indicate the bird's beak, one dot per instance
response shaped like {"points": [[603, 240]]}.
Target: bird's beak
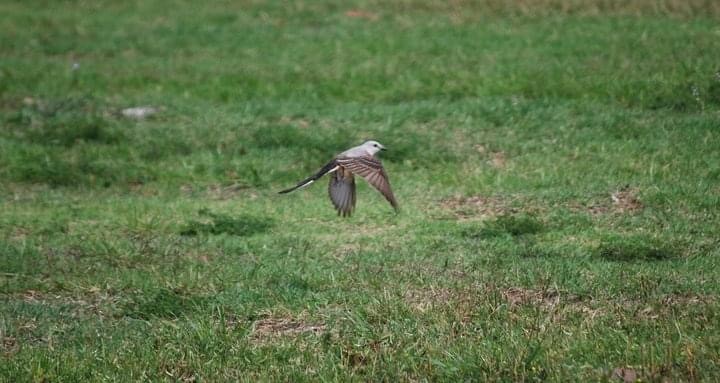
{"points": [[383, 148]]}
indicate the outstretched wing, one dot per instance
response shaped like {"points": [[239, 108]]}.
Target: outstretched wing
{"points": [[371, 169], [342, 192], [330, 166]]}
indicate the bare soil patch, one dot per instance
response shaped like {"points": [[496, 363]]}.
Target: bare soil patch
{"points": [[622, 201]]}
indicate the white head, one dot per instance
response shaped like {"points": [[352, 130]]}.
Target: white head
{"points": [[372, 147]]}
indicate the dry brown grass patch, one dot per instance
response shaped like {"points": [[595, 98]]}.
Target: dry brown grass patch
{"points": [[516, 296], [19, 233], [8, 345], [226, 192], [476, 206], [625, 374], [652, 309], [361, 14], [91, 300], [498, 160], [274, 327], [625, 200], [621, 201]]}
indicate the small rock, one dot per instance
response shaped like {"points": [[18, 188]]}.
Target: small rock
{"points": [[139, 112]]}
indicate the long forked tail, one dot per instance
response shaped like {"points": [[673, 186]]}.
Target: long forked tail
{"points": [[329, 167]]}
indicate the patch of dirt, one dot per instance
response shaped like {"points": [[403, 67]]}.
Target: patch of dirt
{"points": [[225, 192], [476, 206], [621, 201], [498, 160], [625, 200], [19, 233], [593, 208], [31, 296], [276, 327], [8, 345]]}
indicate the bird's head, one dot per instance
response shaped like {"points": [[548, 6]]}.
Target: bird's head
{"points": [[372, 147]]}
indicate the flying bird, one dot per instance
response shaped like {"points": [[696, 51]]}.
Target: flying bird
{"points": [[361, 161]]}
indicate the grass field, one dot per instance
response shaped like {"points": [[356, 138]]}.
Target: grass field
{"points": [[557, 166]]}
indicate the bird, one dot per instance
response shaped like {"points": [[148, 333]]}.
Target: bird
{"points": [[359, 160]]}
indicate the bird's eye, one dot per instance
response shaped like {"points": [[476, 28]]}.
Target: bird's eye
{"points": [[375, 145]]}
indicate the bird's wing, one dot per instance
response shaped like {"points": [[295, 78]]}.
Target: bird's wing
{"points": [[371, 169], [329, 167], [342, 192]]}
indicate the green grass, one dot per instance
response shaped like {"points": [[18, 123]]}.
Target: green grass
{"points": [[556, 165]]}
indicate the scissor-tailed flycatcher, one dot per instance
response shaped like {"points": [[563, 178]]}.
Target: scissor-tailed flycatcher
{"points": [[359, 160]]}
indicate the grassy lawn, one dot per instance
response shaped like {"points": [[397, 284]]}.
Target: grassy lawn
{"points": [[557, 168]]}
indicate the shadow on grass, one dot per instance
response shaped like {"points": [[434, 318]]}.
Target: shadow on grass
{"points": [[634, 248], [217, 223], [515, 225], [688, 96]]}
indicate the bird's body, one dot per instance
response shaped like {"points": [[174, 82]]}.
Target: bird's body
{"points": [[361, 161]]}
